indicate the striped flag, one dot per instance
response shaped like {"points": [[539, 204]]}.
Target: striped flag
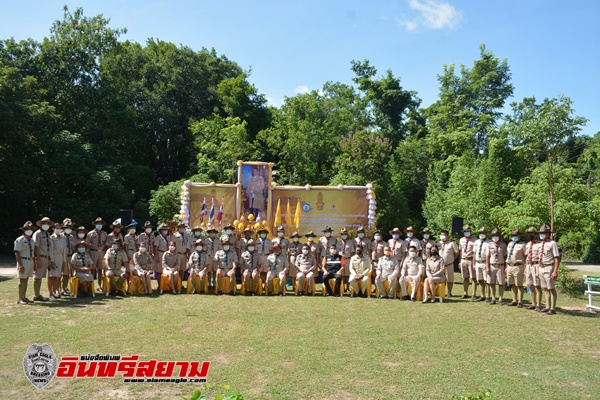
{"points": [[203, 212], [211, 214], [220, 213]]}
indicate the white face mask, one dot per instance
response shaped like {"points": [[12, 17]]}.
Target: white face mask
{"points": [[280, 234], [81, 235], [395, 236], [81, 249], [132, 231], [263, 235], [68, 231], [542, 236], [58, 231], [228, 231], [344, 237], [495, 238], [45, 227], [327, 234], [99, 226], [304, 251], [251, 248], [409, 234], [443, 237], [295, 239], [148, 230], [115, 246], [226, 247], [426, 236], [481, 236], [360, 235], [310, 238], [142, 249], [29, 232], [514, 238], [467, 234], [412, 254], [199, 248], [333, 251], [197, 233], [377, 237]]}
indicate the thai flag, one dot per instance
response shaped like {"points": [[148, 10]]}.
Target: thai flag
{"points": [[220, 213], [204, 211], [211, 218]]}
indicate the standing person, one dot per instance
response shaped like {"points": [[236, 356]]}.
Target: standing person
{"points": [[377, 247], [255, 193], [548, 268], [495, 265], [143, 263], [305, 264], [161, 245], [96, 240], [412, 270], [346, 249], [360, 266], [436, 274], [68, 226], [25, 253], [83, 266], [533, 278], [249, 264], [242, 243], [228, 231], [411, 240], [116, 261], [332, 265], [130, 242], [283, 242], [387, 269], [314, 249], [42, 246], [211, 245], [170, 266], [467, 268], [196, 233], [147, 237], [480, 251], [114, 234], [278, 265], [264, 247], [365, 242], [427, 243], [397, 245], [227, 262], [184, 244], [326, 241], [516, 267], [198, 264], [449, 253], [58, 260], [294, 249]]}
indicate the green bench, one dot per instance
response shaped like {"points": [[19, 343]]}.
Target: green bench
{"points": [[590, 281]]}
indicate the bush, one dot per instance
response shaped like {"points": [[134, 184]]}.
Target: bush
{"points": [[567, 284]]}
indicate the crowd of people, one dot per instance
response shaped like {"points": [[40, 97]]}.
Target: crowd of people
{"points": [[406, 268]]}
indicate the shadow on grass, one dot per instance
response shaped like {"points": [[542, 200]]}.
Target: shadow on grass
{"points": [[579, 313], [6, 278]]}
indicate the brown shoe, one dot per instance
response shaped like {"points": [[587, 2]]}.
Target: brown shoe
{"points": [[26, 300], [519, 305], [545, 310], [512, 304], [551, 312], [538, 309], [464, 296], [531, 307]]}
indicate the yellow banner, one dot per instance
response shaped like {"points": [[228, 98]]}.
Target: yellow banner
{"points": [[218, 192], [323, 206]]}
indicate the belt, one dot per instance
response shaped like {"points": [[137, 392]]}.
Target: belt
{"points": [[448, 264], [182, 253], [515, 264], [496, 264], [27, 258], [98, 250], [547, 265], [466, 260], [48, 257], [480, 261]]}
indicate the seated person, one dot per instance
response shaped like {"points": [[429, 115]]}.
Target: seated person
{"points": [[226, 260], [360, 266], [249, 264], [387, 269], [170, 266], [83, 265], [332, 265], [143, 264], [116, 258], [198, 264], [436, 274], [305, 265], [278, 266], [412, 271]]}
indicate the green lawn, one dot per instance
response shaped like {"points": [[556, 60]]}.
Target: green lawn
{"points": [[311, 347]]}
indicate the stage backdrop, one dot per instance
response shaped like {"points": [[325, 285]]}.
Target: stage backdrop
{"points": [[193, 197], [337, 207]]}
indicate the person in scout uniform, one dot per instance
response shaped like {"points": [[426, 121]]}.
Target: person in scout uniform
{"points": [[264, 247], [306, 265], [161, 245], [42, 246], [281, 240], [360, 266], [314, 248], [387, 269], [548, 268], [184, 244], [58, 259], [116, 263], [365, 242], [345, 247], [147, 237], [242, 243], [229, 232], [196, 233], [436, 274], [278, 266], [130, 244], [96, 240], [294, 249], [515, 261], [412, 271], [84, 267], [227, 262], [467, 268], [532, 251], [143, 264], [411, 240], [427, 243], [377, 247], [480, 251], [170, 265], [397, 245], [326, 241], [332, 266], [70, 240], [449, 253], [249, 264], [198, 264], [25, 254], [211, 245], [115, 233], [495, 265]]}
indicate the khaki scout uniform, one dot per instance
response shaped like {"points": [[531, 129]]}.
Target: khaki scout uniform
{"points": [[294, 249], [143, 263], [42, 242], [241, 245], [183, 245], [264, 247], [497, 259], [324, 244], [345, 248], [83, 260], [212, 245], [359, 266], [377, 247], [387, 269], [116, 259], [532, 251], [283, 242], [26, 247], [278, 266], [515, 262], [412, 270], [448, 252], [199, 260], [162, 244], [225, 262], [467, 269], [305, 264], [426, 246], [365, 243], [130, 241], [413, 241], [313, 248], [170, 262], [58, 255], [437, 269], [249, 261], [97, 242], [398, 249], [480, 250], [548, 252], [147, 238], [70, 246]]}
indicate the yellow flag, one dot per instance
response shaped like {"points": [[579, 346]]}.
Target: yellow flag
{"points": [[288, 217], [277, 220], [297, 215]]}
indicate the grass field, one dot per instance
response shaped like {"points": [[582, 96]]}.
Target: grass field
{"points": [[311, 347]]}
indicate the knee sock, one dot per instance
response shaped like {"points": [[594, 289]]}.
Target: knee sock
{"points": [[548, 301], [520, 291], [475, 284], [466, 286], [533, 292], [553, 299], [492, 291], [37, 285], [21, 290], [514, 293], [450, 284], [500, 292], [539, 296]]}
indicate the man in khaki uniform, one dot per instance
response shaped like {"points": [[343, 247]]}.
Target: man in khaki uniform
{"points": [[397, 245], [345, 247], [42, 246], [229, 232], [377, 246], [58, 259], [184, 244], [305, 264], [227, 262], [161, 245], [449, 252], [96, 240], [360, 266], [281, 240], [278, 266], [495, 265], [130, 242], [198, 264], [532, 251], [116, 261], [516, 267], [143, 263], [548, 268], [314, 249], [411, 240], [412, 270], [25, 253], [212, 245], [427, 243], [249, 264], [264, 247], [242, 243], [467, 268], [147, 237], [365, 242], [326, 241], [69, 227], [115, 233], [480, 249], [387, 269], [294, 249]]}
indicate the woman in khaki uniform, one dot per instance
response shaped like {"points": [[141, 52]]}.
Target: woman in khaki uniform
{"points": [[58, 258], [170, 266], [198, 264], [143, 267], [249, 264], [68, 226], [436, 274], [83, 265]]}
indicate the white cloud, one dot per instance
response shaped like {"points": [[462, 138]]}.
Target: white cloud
{"points": [[274, 102], [302, 89], [432, 15]]}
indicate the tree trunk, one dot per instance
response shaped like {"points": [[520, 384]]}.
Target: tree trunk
{"points": [[551, 196]]}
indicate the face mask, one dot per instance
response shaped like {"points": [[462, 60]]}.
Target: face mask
{"points": [[199, 248], [412, 254], [333, 252], [495, 238], [310, 238], [251, 248], [514, 238], [360, 235], [359, 252], [197, 233], [164, 233], [115, 246], [425, 236], [81, 235], [58, 231], [81, 249], [481, 236], [247, 236], [305, 251], [45, 227], [280, 234], [467, 234], [172, 248], [226, 248], [377, 237], [180, 230], [263, 235], [409, 234], [29, 232], [228, 231], [295, 239], [99, 226], [344, 237], [434, 253], [395, 236], [142, 249], [531, 237], [542, 236], [443, 237], [148, 230], [327, 234], [132, 231], [68, 231]]}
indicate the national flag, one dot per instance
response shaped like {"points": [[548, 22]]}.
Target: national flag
{"points": [[211, 215], [220, 213], [297, 215], [288, 217], [203, 212]]}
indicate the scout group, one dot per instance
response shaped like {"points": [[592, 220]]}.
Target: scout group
{"points": [[61, 251]]}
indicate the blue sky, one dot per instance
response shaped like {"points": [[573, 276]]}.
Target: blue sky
{"points": [[294, 46]]}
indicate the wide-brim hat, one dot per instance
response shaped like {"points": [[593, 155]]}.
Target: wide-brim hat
{"points": [[277, 246], [163, 226], [426, 231], [544, 229], [327, 229], [116, 224], [131, 225], [377, 232], [496, 232], [482, 230], [295, 234], [118, 241], [148, 224], [344, 231], [467, 228], [532, 230], [251, 242], [82, 243], [396, 230], [410, 229], [360, 229], [263, 230], [515, 232], [311, 233], [45, 220], [199, 241], [248, 230], [67, 223], [181, 225], [81, 229], [280, 228], [225, 240], [28, 225], [229, 226], [197, 228], [211, 229], [99, 221]]}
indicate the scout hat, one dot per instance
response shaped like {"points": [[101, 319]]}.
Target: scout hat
{"points": [[426, 231], [532, 230], [28, 225], [118, 241], [344, 231], [45, 220], [496, 232], [225, 240], [263, 230], [515, 232], [67, 223], [81, 229], [277, 246], [248, 230], [116, 225], [360, 229], [410, 229], [163, 226], [98, 221], [230, 226], [147, 224], [82, 243], [396, 230], [251, 242], [295, 234], [327, 229], [197, 228], [211, 229], [482, 230], [280, 228], [377, 232], [544, 229], [181, 225], [467, 228], [199, 241], [311, 233]]}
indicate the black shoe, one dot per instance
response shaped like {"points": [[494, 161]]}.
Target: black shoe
{"points": [[40, 298], [232, 293], [120, 293], [412, 299], [219, 293], [338, 295]]}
